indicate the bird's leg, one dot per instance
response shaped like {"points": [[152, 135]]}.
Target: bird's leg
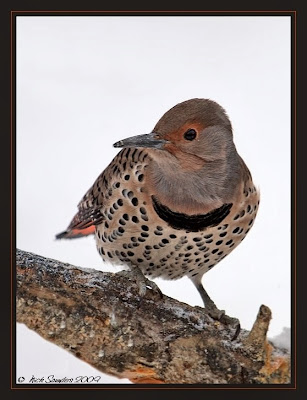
{"points": [[142, 282], [215, 313], [210, 306]]}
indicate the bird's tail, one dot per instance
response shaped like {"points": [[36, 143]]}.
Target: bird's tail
{"points": [[76, 233]]}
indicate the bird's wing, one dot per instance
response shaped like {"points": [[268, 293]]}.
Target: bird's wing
{"points": [[90, 207]]}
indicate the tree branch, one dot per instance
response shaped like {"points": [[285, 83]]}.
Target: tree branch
{"points": [[100, 318]]}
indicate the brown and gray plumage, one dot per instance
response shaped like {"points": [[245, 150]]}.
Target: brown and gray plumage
{"points": [[174, 202]]}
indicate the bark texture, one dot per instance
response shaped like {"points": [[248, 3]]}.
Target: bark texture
{"points": [[100, 318]]}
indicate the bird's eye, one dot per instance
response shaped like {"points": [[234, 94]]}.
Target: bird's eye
{"points": [[190, 134]]}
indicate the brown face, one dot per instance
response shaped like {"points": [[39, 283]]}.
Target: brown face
{"points": [[181, 144], [195, 132]]}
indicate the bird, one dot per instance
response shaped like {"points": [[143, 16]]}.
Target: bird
{"points": [[173, 202]]}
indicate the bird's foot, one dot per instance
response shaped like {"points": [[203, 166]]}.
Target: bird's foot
{"points": [[233, 323], [220, 315], [142, 282]]}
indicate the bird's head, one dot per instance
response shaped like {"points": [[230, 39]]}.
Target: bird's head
{"points": [[194, 132]]}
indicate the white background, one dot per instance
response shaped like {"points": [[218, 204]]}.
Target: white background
{"points": [[84, 83]]}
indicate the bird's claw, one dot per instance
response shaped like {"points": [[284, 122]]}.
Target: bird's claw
{"points": [[233, 323], [142, 282], [220, 315]]}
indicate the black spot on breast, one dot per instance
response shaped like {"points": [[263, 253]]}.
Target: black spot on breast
{"points": [[120, 202], [127, 177], [223, 234], [236, 230], [128, 150], [193, 223], [134, 201], [135, 219], [219, 242], [140, 177], [229, 242], [173, 236], [145, 228], [165, 241], [133, 155]]}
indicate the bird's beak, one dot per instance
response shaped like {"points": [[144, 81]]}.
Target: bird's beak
{"points": [[151, 140]]}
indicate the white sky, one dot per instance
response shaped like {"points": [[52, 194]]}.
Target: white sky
{"points": [[84, 83]]}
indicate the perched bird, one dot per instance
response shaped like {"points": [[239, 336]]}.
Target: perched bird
{"points": [[173, 202]]}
